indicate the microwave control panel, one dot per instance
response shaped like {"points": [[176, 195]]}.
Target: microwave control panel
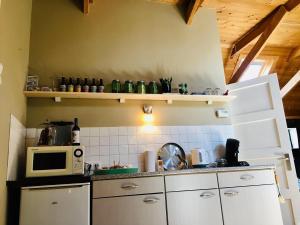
{"points": [[78, 160]]}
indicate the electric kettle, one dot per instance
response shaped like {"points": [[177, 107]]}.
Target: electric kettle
{"points": [[200, 158]]}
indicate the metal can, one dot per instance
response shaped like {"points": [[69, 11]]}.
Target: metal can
{"points": [[141, 87], [128, 86], [153, 89], [116, 86]]}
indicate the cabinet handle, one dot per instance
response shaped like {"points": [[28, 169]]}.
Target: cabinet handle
{"points": [[231, 193], [207, 194], [129, 186], [247, 177], [151, 200]]}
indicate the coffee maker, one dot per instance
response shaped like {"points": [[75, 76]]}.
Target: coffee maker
{"points": [[232, 153]]}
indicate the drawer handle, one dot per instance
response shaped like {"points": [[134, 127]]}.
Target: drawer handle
{"points": [[231, 193], [151, 200], [129, 186], [54, 203], [207, 195], [247, 177]]}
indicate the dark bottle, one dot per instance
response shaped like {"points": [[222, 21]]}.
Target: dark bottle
{"points": [[63, 86], [86, 87], [101, 86], [70, 85], [78, 85], [76, 133], [93, 87]]}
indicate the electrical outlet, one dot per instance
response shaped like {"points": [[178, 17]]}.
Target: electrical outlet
{"points": [[1, 70], [222, 113]]}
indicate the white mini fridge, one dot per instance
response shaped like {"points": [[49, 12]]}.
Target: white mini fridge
{"points": [[67, 204]]}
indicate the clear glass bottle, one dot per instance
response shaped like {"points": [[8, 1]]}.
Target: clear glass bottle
{"points": [[93, 87], [63, 85], [101, 86], [86, 87], [70, 85], [78, 85]]}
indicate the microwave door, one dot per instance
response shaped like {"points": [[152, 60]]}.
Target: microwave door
{"points": [[48, 163]]}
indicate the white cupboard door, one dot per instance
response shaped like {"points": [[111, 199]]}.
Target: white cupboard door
{"points": [[253, 205], [59, 206], [130, 210], [259, 123], [194, 208]]}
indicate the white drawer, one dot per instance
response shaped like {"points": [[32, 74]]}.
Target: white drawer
{"points": [[246, 178], [132, 186], [191, 182]]}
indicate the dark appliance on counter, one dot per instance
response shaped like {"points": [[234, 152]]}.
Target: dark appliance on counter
{"points": [[56, 134], [232, 153]]}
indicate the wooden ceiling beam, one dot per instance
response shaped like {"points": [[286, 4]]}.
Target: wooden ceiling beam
{"points": [[290, 85], [86, 6], [192, 9], [253, 33], [294, 54], [258, 47], [291, 4]]}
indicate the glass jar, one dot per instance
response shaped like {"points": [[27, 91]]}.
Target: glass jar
{"points": [[128, 86], [153, 89], [141, 87], [116, 86]]}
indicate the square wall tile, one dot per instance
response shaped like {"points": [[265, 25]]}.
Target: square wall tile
{"points": [[95, 132], [122, 131], [123, 149], [104, 140], [85, 132], [113, 140], [85, 141], [104, 131], [94, 141], [113, 131], [114, 150], [104, 150], [123, 140], [132, 140]]}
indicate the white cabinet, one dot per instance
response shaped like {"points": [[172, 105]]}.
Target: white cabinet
{"points": [[194, 208], [59, 205], [130, 210], [252, 205], [193, 199]]}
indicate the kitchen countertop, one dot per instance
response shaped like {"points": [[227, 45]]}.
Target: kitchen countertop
{"points": [[178, 172]]}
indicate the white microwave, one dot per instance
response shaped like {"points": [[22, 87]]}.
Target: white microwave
{"points": [[48, 161]]}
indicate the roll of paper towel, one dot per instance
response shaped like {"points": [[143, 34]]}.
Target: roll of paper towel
{"points": [[150, 159]]}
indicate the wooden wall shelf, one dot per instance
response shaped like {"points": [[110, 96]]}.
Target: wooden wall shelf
{"points": [[122, 97]]}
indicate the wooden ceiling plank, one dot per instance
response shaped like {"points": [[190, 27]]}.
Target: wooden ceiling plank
{"points": [[253, 33], [258, 47], [294, 54], [192, 9], [291, 4], [290, 85]]}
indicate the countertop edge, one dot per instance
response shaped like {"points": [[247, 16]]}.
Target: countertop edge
{"points": [[180, 172]]}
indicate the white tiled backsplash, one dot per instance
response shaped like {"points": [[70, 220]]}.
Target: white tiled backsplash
{"points": [[106, 145]]}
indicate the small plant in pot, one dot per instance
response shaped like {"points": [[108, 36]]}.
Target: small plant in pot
{"points": [[166, 84]]}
